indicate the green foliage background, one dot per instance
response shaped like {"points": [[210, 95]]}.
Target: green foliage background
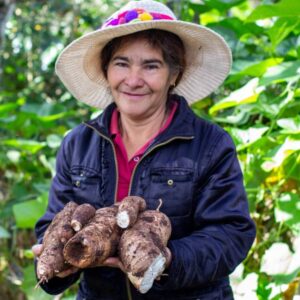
{"points": [[258, 105]]}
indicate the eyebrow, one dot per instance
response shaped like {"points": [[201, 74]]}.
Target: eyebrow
{"points": [[146, 61]]}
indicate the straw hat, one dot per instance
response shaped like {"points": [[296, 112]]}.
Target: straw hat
{"points": [[208, 57]]}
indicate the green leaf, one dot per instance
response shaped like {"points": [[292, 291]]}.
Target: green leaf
{"points": [[7, 107], [287, 71], [27, 213], [222, 5], [285, 150], [238, 27], [246, 137], [257, 69], [285, 8], [49, 55], [4, 234], [286, 278], [26, 145], [54, 141], [287, 209], [14, 156], [246, 94], [239, 118], [290, 125], [44, 109], [281, 29]]}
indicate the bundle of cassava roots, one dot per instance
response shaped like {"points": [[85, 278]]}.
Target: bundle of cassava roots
{"points": [[83, 237]]}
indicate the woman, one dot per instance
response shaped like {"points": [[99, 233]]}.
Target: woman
{"points": [[143, 67]]}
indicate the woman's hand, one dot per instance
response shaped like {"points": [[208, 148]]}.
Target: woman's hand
{"points": [[37, 251], [168, 258], [113, 262], [168, 262]]}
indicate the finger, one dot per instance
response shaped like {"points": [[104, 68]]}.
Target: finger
{"points": [[111, 261], [114, 262], [67, 272], [168, 258], [37, 249]]}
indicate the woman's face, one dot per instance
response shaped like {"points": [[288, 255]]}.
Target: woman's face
{"points": [[139, 79]]}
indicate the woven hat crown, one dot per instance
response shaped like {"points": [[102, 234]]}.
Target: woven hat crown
{"points": [[135, 11]]}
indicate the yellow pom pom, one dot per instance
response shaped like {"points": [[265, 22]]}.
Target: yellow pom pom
{"points": [[145, 17]]}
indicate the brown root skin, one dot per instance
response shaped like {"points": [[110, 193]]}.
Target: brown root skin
{"points": [[51, 261], [82, 215], [129, 209], [97, 241], [142, 249], [156, 222]]}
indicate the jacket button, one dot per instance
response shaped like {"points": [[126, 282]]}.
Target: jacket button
{"points": [[136, 158], [77, 183], [170, 182]]}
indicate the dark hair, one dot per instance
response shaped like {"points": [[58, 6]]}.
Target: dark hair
{"points": [[172, 48]]}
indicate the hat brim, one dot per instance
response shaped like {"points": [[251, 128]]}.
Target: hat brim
{"points": [[208, 60]]}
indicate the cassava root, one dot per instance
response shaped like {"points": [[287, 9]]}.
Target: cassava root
{"points": [[129, 209], [51, 261], [142, 249], [97, 241], [82, 237]]}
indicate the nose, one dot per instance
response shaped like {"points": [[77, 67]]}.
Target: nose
{"points": [[134, 78]]}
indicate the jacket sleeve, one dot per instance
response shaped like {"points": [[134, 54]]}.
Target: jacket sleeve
{"points": [[223, 230], [61, 193]]}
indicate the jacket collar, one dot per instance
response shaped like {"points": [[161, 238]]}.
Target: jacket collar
{"points": [[182, 124]]}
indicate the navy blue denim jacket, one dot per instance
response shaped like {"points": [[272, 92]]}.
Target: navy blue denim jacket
{"points": [[192, 166]]}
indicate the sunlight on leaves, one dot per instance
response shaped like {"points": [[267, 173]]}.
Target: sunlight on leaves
{"points": [[246, 137], [246, 289], [289, 125], [26, 145], [276, 259], [247, 94], [287, 71], [258, 68], [287, 210], [286, 149]]}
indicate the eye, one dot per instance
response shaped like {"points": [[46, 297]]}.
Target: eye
{"points": [[151, 67], [121, 64]]}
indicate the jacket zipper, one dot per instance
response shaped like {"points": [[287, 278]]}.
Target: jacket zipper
{"points": [[115, 157]]}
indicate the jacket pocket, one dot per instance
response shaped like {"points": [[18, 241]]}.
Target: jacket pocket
{"points": [[86, 184], [174, 186]]}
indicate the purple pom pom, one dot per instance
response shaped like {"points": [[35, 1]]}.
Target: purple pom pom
{"points": [[131, 15]]}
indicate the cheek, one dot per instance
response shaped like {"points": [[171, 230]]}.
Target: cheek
{"points": [[161, 85], [113, 78]]}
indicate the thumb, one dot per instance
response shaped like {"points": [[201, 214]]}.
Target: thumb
{"points": [[37, 249]]}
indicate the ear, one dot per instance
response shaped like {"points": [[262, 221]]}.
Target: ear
{"points": [[173, 79]]}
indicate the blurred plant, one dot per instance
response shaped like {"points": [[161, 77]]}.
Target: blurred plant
{"points": [[258, 105]]}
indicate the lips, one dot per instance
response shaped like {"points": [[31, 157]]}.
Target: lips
{"points": [[134, 95]]}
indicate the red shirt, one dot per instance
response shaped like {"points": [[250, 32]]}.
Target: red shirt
{"points": [[125, 166]]}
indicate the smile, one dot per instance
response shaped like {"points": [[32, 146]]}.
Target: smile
{"points": [[134, 94]]}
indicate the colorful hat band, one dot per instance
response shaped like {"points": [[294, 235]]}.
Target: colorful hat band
{"points": [[135, 15]]}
